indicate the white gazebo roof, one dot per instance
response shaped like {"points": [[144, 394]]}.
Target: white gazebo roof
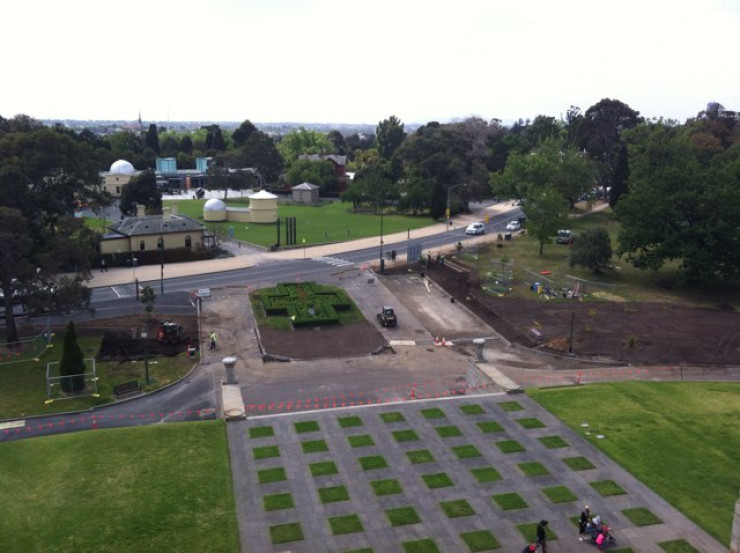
{"points": [[263, 195]]}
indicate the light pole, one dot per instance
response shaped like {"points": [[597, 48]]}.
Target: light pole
{"points": [[161, 258], [449, 192], [144, 336], [380, 201]]}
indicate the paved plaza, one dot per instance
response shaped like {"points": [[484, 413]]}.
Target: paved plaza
{"points": [[472, 473]]}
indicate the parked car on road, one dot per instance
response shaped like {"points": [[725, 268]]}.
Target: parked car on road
{"points": [[475, 228], [513, 225], [564, 236]]}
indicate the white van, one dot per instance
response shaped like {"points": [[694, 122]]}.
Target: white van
{"points": [[475, 228]]}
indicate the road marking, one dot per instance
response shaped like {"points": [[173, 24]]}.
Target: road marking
{"points": [[117, 293], [337, 262], [12, 424]]}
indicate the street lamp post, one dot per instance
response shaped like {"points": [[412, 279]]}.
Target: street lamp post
{"points": [[144, 336], [449, 192], [380, 201], [161, 259]]}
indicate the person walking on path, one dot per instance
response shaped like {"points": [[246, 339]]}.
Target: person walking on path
{"points": [[213, 340], [583, 522], [542, 535], [103, 266]]}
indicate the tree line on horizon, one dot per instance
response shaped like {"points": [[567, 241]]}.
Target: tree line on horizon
{"points": [[674, 187]]}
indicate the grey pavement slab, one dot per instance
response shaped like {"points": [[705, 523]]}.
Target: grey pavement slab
{"points": [[377, 531]]}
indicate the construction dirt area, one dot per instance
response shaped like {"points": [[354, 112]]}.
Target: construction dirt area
{"points": [[443, 306]]}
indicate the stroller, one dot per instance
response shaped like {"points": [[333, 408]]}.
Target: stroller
{"points": [[600, 534]]}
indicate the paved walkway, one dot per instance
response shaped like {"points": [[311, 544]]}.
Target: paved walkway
{"points": [[313, 468]]}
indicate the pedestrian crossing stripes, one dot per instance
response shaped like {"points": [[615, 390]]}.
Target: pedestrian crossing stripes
{"points": [[336, 261]]}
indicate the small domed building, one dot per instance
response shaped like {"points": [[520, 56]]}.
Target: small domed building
{"points": [[120, 173], [214, 211]]}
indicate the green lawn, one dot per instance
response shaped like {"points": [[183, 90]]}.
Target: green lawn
{"points": [[645, 423], [331, 222], [154, 488], [23, 390]]}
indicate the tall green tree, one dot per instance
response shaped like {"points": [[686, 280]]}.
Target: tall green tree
{"points": [[151, 140], [389, 134], [551, 165], [319, 173], [338, 142], [43, 174], [219, 144], [242, 133], [600, 135], [679, 209], [72, 362], [260, 152], [547, 212], [303, 141], [141, 189]]}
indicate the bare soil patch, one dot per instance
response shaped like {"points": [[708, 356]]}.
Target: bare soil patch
{"points": [[630, 332], [359, 338]]}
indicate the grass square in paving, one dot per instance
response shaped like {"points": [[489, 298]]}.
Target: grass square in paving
{"points": [[553, 442], [510, 406], [466, 451], [427, 545], [333, 494], [314, 446], [486, 474], [284, 533], [407, 435], [261, 432], [448, 431], [510, 446], [480, 540], [607, 488], [392, 417], [324, 468], [276, 474], [372, 462], [630, 550], [559, 494], [278, 501], [266, 452], [350, 422], [418, 456], [533, 468], [401, 516], [363, 440], [578, 463], [509, 501], [677, 546], [346, 524], [362, 550], [433, 413], [473, 409], [389, 486], [306, 426], [529, 531], [488, 427], [640, 516], [530, 422], [457, 508], [437, 480]]}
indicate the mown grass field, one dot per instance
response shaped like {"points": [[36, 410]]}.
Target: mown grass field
{"points": [[329, 222], [624, 281], [681, 439], [23, 388], [147, 489]]}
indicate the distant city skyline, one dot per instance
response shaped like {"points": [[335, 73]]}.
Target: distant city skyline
{"points": [[337, 62]]}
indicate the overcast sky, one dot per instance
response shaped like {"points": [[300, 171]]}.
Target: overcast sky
{"points": [[347, 61]]}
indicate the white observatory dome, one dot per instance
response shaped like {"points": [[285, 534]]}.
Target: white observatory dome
{"points": [[122, 167], [214, 204]]}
